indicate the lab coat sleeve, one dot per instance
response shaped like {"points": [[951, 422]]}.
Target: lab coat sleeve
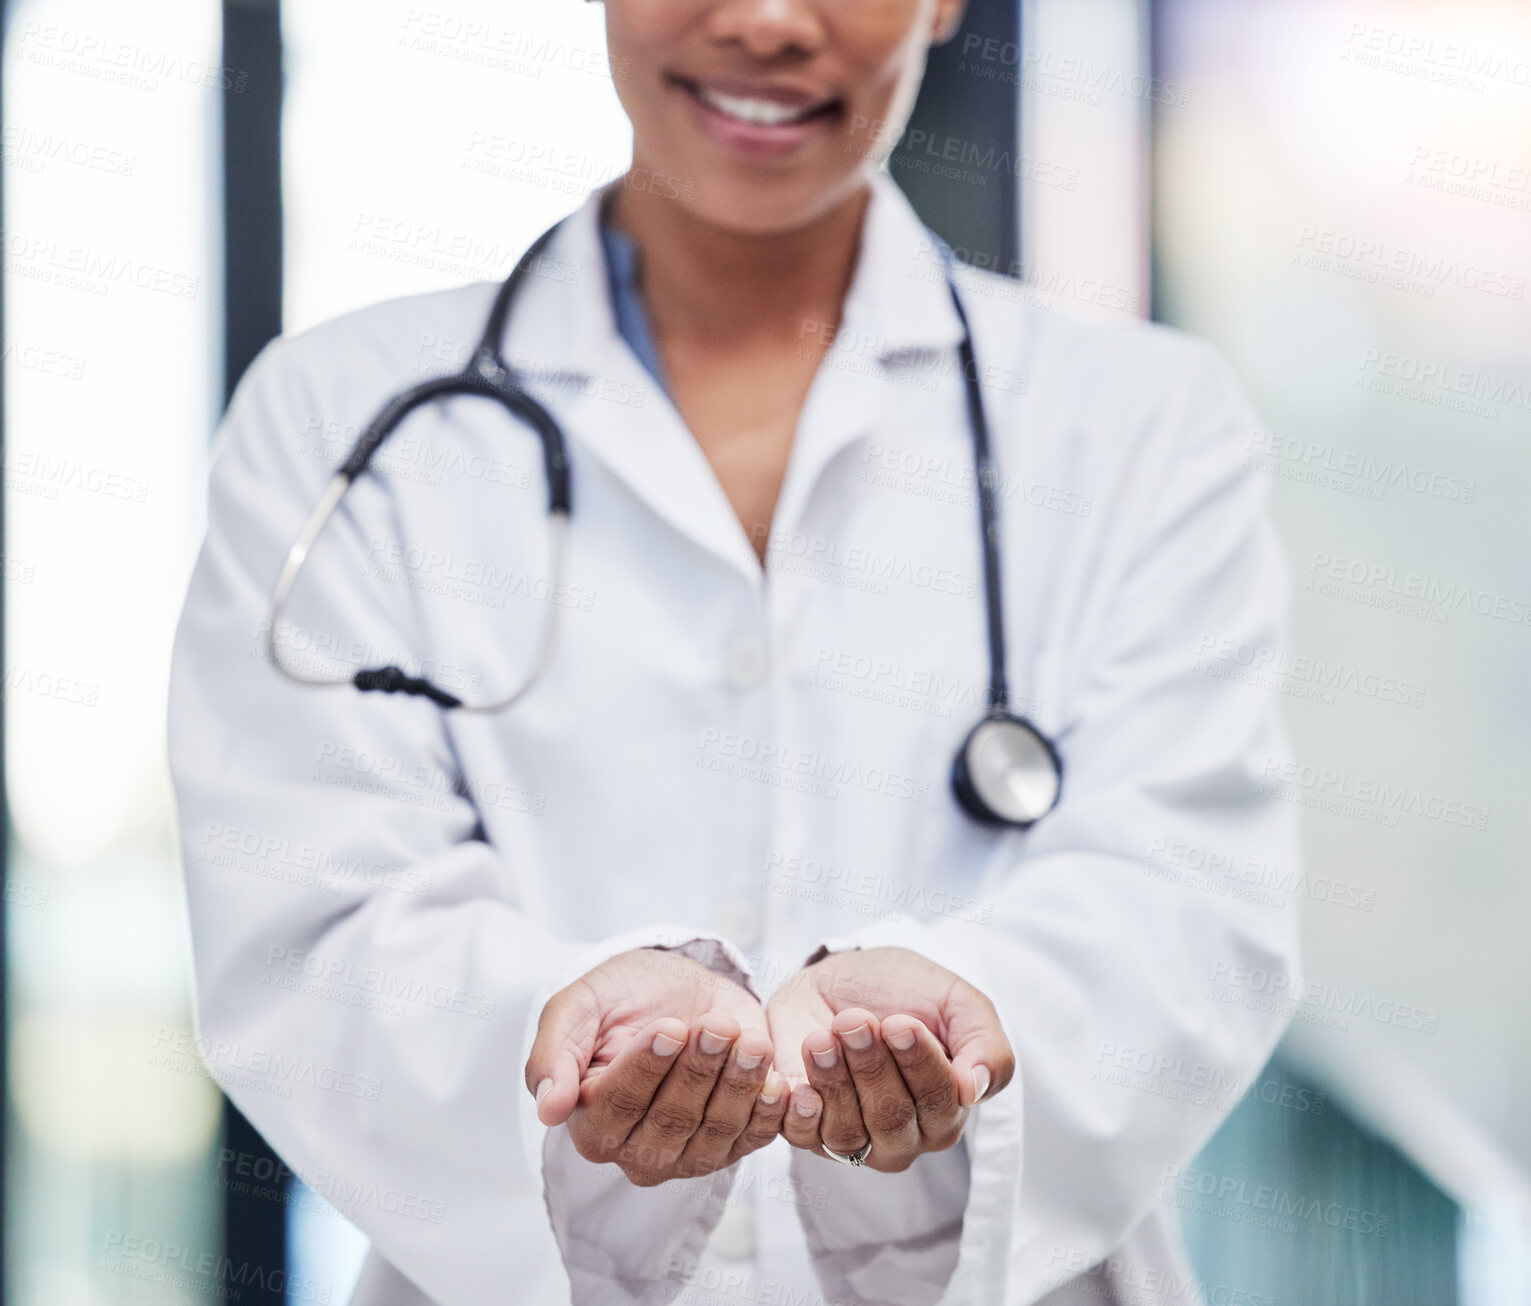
{"points": [[367, 980], [1095, 950]]}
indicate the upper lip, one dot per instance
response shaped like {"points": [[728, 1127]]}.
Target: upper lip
{"points": [[794, 96]]}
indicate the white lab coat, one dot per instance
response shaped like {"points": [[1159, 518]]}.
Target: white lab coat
{"points": [[745, 764]]}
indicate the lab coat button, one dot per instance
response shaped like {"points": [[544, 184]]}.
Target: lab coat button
{"points": [[746, 662], [734, 1238]]}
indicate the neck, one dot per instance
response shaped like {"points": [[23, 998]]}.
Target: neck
{"points": [[706, 285]]}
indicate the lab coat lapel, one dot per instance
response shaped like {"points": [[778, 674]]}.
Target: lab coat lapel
{"points": [[562, 332], [897, 312], [898, 322]]}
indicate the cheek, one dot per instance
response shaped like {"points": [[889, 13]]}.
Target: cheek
{"points": [[887, 79], [639, 36]]}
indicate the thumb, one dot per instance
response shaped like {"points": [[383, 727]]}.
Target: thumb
{"points": [[563, 1047], [982, 1058]]}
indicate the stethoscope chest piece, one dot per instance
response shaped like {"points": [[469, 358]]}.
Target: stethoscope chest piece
{"points": [[1007, 772]]}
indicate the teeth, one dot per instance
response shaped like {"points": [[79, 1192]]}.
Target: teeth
{"points": [[764, 112]]}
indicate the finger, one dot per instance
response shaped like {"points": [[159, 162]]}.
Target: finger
{"points": [[800, 1125], [887, 1106], [841, 1129], [731, 1105], [658, 1139], [981, 1054], [565, 1042], [766, 1118], [616, 1102], [923, 1063]]}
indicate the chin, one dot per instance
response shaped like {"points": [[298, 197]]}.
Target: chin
{"points": [[767, 205]]}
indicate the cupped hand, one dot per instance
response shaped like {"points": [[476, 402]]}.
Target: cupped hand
{"points": [[884, 1045], [657, 1064]]}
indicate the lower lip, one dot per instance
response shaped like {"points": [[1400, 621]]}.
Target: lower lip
{"points": [[760, 140]]}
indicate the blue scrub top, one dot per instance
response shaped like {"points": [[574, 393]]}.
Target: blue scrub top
{"points": [[627, 305]]}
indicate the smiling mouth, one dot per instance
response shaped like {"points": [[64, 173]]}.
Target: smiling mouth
{"points": [[758, 111]]}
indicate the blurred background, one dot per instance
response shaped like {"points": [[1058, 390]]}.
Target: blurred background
{"points": [[1337, 194]]}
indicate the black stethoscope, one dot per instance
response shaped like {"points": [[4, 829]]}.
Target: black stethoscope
{"points": [[1006, 772]]}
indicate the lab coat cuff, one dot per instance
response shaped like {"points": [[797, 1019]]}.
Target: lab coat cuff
{"points": [[903, 931], [993, 1138], [673, 1221]]}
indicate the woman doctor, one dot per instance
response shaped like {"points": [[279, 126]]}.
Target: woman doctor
{"points": [[687, 974]]}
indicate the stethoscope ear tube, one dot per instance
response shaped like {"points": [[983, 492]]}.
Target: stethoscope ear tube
{"points": [[493, 382], [1007, 772], [497, 384]]}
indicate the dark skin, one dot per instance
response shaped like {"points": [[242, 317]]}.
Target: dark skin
{"points": [[756, 263], [746, 261]]}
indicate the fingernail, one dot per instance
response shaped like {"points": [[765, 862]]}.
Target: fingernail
{"points": [[665, 1046], [806, 1109], [771, 1093], [711, 1044], [902, 1039], [825, 1060], [858, 1039], [980, 1081], [544, 1087], [748, 1060]]}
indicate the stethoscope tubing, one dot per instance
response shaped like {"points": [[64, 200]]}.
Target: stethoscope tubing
{"points": [[487, 375]]}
